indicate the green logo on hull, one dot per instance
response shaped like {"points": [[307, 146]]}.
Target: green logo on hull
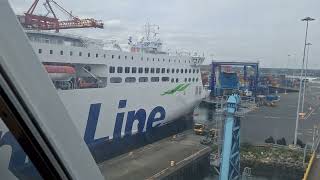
{"points": [[178, 88]]}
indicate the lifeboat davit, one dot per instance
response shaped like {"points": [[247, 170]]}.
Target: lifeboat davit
{"points": [[60, 73]]}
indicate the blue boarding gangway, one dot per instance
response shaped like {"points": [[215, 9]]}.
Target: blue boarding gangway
{"points": [[230, 163]]}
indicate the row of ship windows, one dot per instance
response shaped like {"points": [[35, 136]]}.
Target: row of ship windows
{"points": [[152, 79], [113, 56], [112, 69]]}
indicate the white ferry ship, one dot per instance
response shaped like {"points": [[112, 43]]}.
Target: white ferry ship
{"points": [[114, 94]]}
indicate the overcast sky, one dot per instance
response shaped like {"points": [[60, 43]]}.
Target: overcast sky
{"points": [[242, 30]]}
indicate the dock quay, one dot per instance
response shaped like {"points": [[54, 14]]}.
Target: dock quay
{"points": [[177, 157]]}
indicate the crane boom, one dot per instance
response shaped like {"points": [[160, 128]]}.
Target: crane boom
{"points": [[31, 21]]}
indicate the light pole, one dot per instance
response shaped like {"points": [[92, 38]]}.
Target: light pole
{"points": [[305, 77], [301, 73], [286, 79]]}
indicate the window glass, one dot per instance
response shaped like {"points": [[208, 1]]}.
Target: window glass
{"points": [[134, 70], [14, 162], [158, 70], [119, 69], [112, 56], [51, 52], [146, 70], [71, 53], [61, 52], [192, 79], [177, 80], [185, 79], [112, 69], [197, 70], [152, 70], [186, 71], [132, 57], [143, 79], [189, 70], [80, 53], [140, 70], [189, 79], [40, 51], [104, 56], [164, 79], [119, 57], [88, 54], [116, 80], [125, 57], [168, 70], [163, 70], [97, 55], [130, 79], [181, 71], [172, 80], [197, 79], [193, 71], [177, 70], [127, 69], [155, 79]]}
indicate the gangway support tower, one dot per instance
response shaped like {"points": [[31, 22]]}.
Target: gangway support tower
{"points": [[230, 164], [216, 67]]}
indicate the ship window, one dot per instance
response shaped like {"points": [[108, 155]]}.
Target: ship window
{"points": [[119, 57], [152, 70], [51, 51], [181, 70], [189, 61], [89, 54], [112, 69], [132, 57], [177, 80], [163, 70], [172, 71], [116, 80], [189, 79], [168, 70], [192, 79], [165, 79], [185, 79], [125, 57], [147, 59], [71, 53], [112, 56], [197, 79], [185, 61], [143, 79], [197, 70], [189, 70], [119, 69], [163, 59], [97, 55], [193, 70], [134, 70], [169, 60], [80, 53], [186, 71], [61, 52], [179, 60], [140, 70], [104, 56], [146, 70], [172, 80], [40, 51], [158, 59], [130, 79], [155, 79], [158, 70], [127, 69], [152, 59], [177, 70]]}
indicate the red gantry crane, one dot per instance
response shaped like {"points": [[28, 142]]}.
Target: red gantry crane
{"points": [[44, 22]]}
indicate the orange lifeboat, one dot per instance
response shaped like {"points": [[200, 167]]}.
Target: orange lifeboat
{"points": [[60, 73]]}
